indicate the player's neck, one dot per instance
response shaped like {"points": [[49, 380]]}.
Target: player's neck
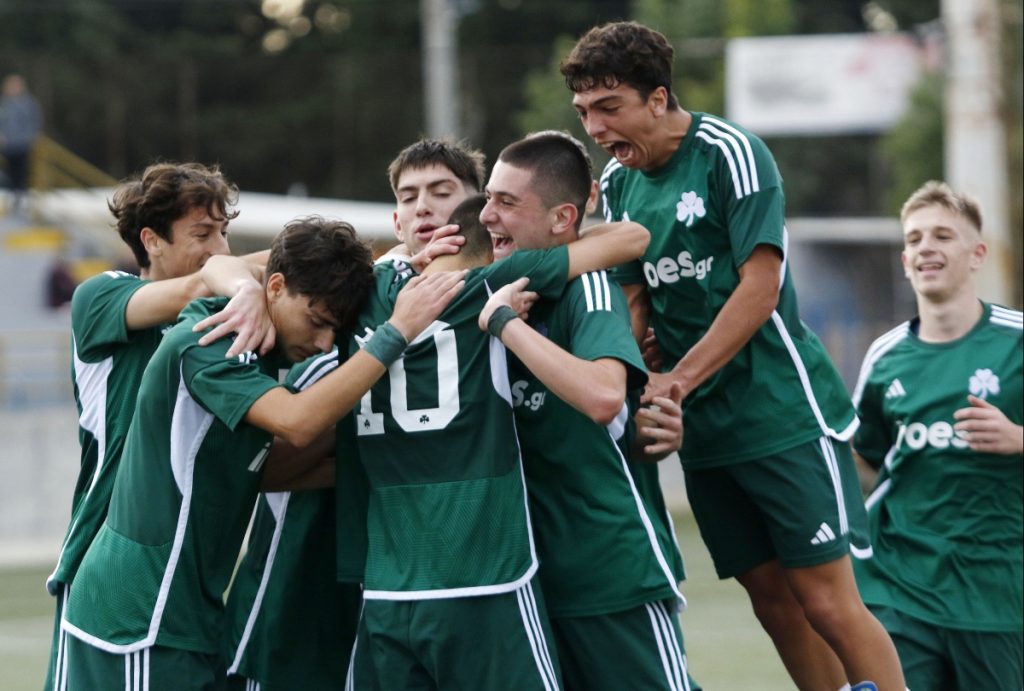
{"points": [[454, 262], [950, 319]]}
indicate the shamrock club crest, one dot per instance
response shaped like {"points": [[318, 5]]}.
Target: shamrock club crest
{"points": [[983, 382], [689, 208]]}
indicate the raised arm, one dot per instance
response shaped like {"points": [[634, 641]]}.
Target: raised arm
{"points": [[596, 388], [746, 310], [606, 245], [299, 418]]}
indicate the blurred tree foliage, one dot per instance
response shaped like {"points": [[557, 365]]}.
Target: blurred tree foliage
{"points": [[318, 92], [857, 169]]}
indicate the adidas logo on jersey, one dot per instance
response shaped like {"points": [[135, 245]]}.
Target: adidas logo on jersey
{"points": [[823, 535], [895, 389], [983, 382]]}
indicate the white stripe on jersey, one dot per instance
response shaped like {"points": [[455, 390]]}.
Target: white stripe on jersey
{"points": [[317, 369], [189, 422], [737, 162], [652, 536], [60, 667], [755, 183], [612, 166], [281, 506], [535, 635], [877, 493], [91, 378], [1007, 317], [805, 382], [882, 345], [597, 292]]}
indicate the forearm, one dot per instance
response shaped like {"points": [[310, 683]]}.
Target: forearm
{"points": [[292, 468], [747, 309], [595, 388], [160, 302], [227, 276], [607, 245], [299, 418]]}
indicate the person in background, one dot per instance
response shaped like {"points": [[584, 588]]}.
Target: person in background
{"points": [[20, 123], [940, 401]]}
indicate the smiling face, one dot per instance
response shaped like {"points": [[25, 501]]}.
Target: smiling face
{"points": [[303, 329], [425, 198], [941, 252], [515, 215], [194, 238], [625, 125]]}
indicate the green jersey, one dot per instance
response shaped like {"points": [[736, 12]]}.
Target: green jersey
{"points": [[447, 514], [604, 545], [185, 489], [718, 198], [286, 608], [107, 365], [946, 522]]}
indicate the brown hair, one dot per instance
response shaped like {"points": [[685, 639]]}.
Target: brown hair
{"points": [[327, 262], [936, 192], [466, 163], [467, 216], [621, 53], [164, 193], [560, 167]]}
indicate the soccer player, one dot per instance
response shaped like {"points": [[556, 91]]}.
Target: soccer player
{"points": [[768, 470], [450, 561], [174, 217], [609, 563], [146, 609], [940, 402], [286, 607]]}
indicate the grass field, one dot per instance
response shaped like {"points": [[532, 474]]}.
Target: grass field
{"points": [[727, 649]]}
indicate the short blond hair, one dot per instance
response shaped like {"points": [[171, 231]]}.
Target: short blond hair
{"points": [[936, 192]]}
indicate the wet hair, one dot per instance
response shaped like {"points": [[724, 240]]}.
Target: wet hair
{"points": [[467, 216], [325, 261], [938, 193], [621, 53], [466, 163], [560, 167], [165, 193]]}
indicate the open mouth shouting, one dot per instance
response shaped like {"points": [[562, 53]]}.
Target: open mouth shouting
{"points": [[503, 245]]}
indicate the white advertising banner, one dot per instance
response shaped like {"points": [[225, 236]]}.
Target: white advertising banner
{"points": [[820, 84]]}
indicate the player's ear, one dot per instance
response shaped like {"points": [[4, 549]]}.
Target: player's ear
{"points": [[978, 255], [150, 241], [564, 220], [276, 286], [657, 101], [398, 226]]}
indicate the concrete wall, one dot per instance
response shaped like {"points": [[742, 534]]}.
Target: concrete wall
{"points": [[38, 467]]}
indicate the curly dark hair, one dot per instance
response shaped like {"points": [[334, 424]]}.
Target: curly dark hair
{"points": [[164, 193], [327, 262], [621, 53]]}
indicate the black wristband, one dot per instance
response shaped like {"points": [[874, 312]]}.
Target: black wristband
{"points": [[499, 318]]}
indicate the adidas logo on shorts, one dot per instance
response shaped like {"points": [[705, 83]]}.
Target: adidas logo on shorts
{"points": [[823, 535]]}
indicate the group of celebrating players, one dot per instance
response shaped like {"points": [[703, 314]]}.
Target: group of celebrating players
{"points": [[452, 452]]}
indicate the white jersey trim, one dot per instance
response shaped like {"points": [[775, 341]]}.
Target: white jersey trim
{"points": [[91, 379], [531, 619], [189, 425], [881, 345], [279, 507], [805, 381]]}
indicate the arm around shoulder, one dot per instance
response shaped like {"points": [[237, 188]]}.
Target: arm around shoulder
{"points": [[607, 245]]}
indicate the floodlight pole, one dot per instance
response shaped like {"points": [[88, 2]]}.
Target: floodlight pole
{"points": [[975, 139], [439, 22]]}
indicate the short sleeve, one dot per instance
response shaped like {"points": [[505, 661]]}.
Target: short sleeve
{"points": [[873, 438], [98, 312], [600, 324], [754, 199], [226, 387], [547, 270]]}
